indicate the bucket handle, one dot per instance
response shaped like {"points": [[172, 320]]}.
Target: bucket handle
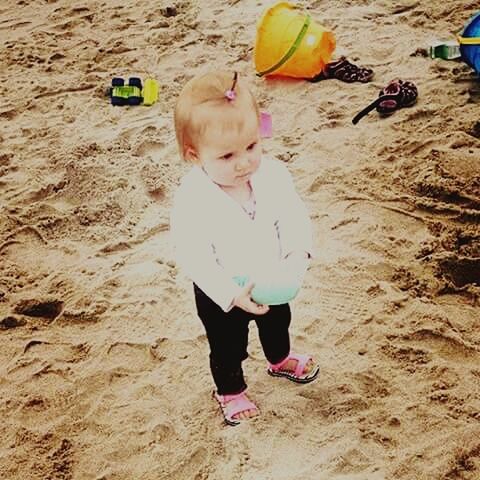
{"points": [[468, 40], [292, 49]]}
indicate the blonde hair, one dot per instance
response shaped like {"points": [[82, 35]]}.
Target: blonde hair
{"points": [[207, 92]]}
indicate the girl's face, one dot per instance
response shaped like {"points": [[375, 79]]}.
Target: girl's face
{"points": [[230, 156]]}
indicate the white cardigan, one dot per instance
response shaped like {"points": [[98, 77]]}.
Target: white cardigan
{"points": [[215, 240]]}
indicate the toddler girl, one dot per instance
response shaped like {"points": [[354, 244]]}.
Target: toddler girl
{"points": [[236, 214]]}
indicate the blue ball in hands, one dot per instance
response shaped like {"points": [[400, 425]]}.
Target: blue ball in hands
{"points": [[278, 284]]}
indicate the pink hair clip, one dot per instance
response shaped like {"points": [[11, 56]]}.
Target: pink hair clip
{"points": [[230, 94]]}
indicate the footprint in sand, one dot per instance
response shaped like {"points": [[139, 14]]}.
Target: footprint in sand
{"points": [[409, 358], [350, 462], [372, 384], [343, 304], [149, 148]]}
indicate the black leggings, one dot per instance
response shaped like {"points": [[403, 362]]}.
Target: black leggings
{"points": [[227, 335]]}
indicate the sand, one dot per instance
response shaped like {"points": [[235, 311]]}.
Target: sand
{"points": [[103, 363]]}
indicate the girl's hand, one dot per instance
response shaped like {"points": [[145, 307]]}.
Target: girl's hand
{"points": [[245, 302]]}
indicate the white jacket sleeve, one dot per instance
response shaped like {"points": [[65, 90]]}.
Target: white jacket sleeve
{"points": [[194, 251], [294, 224]]}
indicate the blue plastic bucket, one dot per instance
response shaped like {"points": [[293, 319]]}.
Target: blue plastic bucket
{"points": [[470, 42]]}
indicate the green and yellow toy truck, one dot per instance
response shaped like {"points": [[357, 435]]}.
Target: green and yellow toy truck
{"points": [[133, 93]]}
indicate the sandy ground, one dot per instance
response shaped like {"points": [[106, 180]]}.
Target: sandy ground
{"points": [[103, 362]]}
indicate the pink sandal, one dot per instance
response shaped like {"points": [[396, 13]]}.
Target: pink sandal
{"points": [[232, 405], [298, 375]]}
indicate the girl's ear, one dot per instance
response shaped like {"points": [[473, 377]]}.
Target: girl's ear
{"points": [[190, 154]]}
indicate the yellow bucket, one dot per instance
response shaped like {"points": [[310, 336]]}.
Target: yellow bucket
{"points": [[290, 43]]}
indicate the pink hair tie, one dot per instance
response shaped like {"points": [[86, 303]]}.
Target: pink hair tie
{"points": [[230, 94]]}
